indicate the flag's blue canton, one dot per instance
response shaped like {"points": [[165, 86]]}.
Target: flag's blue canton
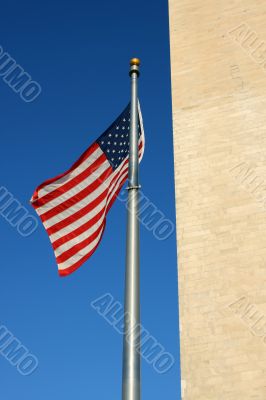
{"points": [[114, 142]]}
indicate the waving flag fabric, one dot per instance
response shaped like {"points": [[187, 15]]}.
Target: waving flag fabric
{"points": [[73, 206]]}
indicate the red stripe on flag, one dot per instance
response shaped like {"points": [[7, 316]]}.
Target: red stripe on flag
{"points": [[77, 215], [83, 211], [72, 183], [87, 153], [79, 246], [77, 197], [69, 270], [78, 231], [91, 222]]}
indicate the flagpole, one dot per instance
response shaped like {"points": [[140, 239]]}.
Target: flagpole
{"points": [[131, 356]]}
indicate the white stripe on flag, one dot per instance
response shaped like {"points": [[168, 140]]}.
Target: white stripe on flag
{"points": [[86, 218], [61, 181], [79, 238], [75, 190], [81, 253]]}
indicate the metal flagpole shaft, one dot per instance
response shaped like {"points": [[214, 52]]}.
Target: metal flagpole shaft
{"points": [[131, 356]]}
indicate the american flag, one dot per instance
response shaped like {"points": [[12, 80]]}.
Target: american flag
{"points": [[73, 206]]}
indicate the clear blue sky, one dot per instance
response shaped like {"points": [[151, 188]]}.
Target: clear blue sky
{"points": [[78, 51]]}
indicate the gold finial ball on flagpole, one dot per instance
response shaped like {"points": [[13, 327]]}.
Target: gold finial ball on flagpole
{"points": [[135, 61]]}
